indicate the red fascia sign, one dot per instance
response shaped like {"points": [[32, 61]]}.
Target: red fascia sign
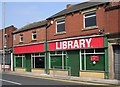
{"points": [[94, 58], [96, 42], [29, 49]]}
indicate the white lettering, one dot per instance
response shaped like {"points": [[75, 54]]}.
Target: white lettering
{"points": [[58, 47], [82, 43], [88, 41], [64, 44], [76, 44], [70, 44]]}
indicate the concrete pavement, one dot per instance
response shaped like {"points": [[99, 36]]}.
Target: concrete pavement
{"points": [[69, 78]]}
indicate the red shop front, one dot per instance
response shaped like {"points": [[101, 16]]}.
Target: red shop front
{"points": [[84, 57], [30, 58]]}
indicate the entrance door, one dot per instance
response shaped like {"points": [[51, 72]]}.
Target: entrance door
{"points": [[74, 62], [116, 49], [28, 62]]}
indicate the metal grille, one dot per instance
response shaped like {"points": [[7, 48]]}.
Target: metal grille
{"points": [[116, 49]]}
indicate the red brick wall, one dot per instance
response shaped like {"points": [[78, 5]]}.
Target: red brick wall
{"points": [[119, 20], [112, 21], [1, 41], [27, 36], [107, 20], [9, 37], [74, 25]]}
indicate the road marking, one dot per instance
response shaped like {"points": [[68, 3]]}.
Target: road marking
{"points": [[11, 82], [63, 80]]}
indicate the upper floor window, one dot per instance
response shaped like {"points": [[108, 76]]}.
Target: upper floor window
{"points": [[14, 38], [90, 19], [34, 35], [60, 26], [21, 37]]}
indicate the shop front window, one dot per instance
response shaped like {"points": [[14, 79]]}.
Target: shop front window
{"points": [[94, 59], [58, 60], [38, 60], [19, 61]]}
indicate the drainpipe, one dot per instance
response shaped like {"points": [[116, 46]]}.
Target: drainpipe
{"points": [[46, 48], [106, 58]]}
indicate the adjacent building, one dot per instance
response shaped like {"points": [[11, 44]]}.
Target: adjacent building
{"points": [[29, 47], [6, 46], [81, 40]]}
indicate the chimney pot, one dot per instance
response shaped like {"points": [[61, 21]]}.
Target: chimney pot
{"points": [[69, 5]]}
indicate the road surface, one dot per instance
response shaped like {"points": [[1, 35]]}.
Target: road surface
{"points": [[9, 79]]}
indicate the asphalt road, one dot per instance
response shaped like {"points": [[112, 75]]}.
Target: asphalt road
{"points": [[8, 79]]}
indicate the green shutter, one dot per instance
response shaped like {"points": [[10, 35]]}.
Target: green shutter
{"points": [[74, 62], [56, 62], [28, 62], [19, 62], [99, 66]]}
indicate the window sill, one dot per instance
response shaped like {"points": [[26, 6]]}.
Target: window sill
{"points": [[21, 42], [60, 33], [20, 67], [91, 71], [90, 28], [38, 68], [34, 40], [58, 69]]}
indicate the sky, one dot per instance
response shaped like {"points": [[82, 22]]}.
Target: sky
{"points": [[20, 14]]}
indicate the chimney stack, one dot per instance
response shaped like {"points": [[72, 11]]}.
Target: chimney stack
{"points": [[69, 5], [114, 3]]}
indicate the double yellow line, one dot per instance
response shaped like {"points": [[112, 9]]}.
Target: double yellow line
{"points": [[77, 82]]}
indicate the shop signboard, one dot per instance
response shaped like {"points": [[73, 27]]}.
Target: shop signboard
{"points": [[96, 42], [94, 58], [29, 49]]}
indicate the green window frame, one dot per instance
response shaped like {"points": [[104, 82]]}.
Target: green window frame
{"points": [[87, 64], [19, 60], [57, 60], [35, 57]]}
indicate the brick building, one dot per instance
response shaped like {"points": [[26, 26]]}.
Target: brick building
{"points": [[82, 41], [29, 47], [6, 41]]}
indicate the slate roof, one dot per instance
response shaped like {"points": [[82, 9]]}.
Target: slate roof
{"points": [[31, 26], [76, 7]]}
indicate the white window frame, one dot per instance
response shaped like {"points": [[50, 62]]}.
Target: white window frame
{"points": [[33, 58], [21, 36], [85, 61], [34, 33], [20, 56], [58, 24], [14, 37], [89, 17]]}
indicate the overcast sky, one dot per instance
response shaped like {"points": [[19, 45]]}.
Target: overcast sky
{"points": [[21, 13]]}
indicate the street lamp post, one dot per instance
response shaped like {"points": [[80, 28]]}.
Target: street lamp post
{"points": [[46, 46], [4, 37]]}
